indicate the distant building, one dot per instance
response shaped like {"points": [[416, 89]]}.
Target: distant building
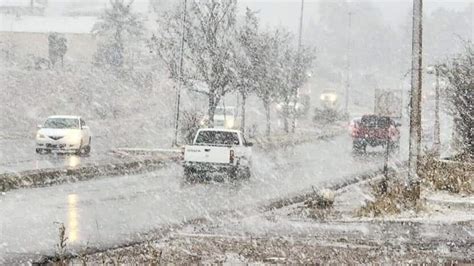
{"points": [[27, 36], [23, 7]]}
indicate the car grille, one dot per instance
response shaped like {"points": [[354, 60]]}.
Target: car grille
{"points": [[55, 146], [55, 137]]}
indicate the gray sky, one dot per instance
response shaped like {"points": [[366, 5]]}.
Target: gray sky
{"points": [[272, 12], [286, 12]]}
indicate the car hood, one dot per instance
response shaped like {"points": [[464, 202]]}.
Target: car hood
{"points": [[58, 131]]}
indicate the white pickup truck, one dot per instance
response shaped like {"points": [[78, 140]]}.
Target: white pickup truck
{"points": [[217, 150]]}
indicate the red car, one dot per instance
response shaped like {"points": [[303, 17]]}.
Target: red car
{"points": [[375, 130]]}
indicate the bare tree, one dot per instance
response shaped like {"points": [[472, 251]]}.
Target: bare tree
{"points": [[57, 48], [209, 48], [459, 71], [117, 25], [290, 67], [267, 50], [247, 60]]}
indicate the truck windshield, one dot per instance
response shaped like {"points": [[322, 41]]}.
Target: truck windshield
{"points": [[62, 123], [217, 138], [375, 121], [227, 111]]}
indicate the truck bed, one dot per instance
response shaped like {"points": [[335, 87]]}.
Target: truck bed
{"points": [[207, 154]]}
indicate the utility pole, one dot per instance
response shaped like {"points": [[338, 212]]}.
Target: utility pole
{"points": [[300, 31], [415, 100], [348, 74], [437, 138], [295, 93], [180, 77]]}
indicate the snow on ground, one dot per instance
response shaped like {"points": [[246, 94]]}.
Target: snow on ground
{"points": [[110, 211], [288, 235]]}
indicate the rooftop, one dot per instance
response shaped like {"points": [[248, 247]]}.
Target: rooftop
{"points": [[64, 116], [41, 24]]}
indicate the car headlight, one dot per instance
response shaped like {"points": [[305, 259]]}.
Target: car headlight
{"points": [[74, 137], [39, 136], [229, 123]]}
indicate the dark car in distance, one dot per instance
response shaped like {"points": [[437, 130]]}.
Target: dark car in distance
{"points": [[375, 130]]}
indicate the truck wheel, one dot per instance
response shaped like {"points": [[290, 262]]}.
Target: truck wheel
{"points": [[245, 173], [358, 147], [394, 146], [233, 174], [189, 175]]}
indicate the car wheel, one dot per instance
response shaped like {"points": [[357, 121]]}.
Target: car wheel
{"points": [[87, 149], [79, 150]]}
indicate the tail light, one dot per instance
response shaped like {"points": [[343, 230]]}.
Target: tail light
{"points": [[231, 156], [392, 132], [354, 130]]}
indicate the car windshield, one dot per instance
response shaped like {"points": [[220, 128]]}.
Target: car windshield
{"points": [[62, 123], [217, 138], [375, 121]]}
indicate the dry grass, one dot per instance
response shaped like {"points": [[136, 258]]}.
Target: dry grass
{"points": [[317, 205], [391, 197], [275, 250], [449, 175]]}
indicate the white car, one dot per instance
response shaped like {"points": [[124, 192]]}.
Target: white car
{"points": [[218, 150], [63, 133]]}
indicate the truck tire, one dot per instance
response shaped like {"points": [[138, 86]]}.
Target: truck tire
{"points": [[394, 146], [233, 174], [189, 175], [358, 147], [245, 173]]}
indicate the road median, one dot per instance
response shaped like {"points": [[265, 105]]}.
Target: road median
{"points": [[53, 176], [139, 160]]}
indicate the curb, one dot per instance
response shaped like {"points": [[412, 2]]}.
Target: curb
{"points": [[53, 176], [464, 205]]}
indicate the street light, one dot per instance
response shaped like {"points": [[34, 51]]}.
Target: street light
{"points": [[180, 72], [349, 51], [435, 70]]}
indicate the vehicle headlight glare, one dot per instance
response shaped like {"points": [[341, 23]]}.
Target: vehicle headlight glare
{"points": [[230, 123], [75, 137]]}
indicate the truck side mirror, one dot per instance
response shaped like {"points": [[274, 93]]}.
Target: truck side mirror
{"points": [[39, 126]]}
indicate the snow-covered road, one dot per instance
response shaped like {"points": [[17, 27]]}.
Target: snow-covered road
{"points": [[115, 210], [19, 155]]}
